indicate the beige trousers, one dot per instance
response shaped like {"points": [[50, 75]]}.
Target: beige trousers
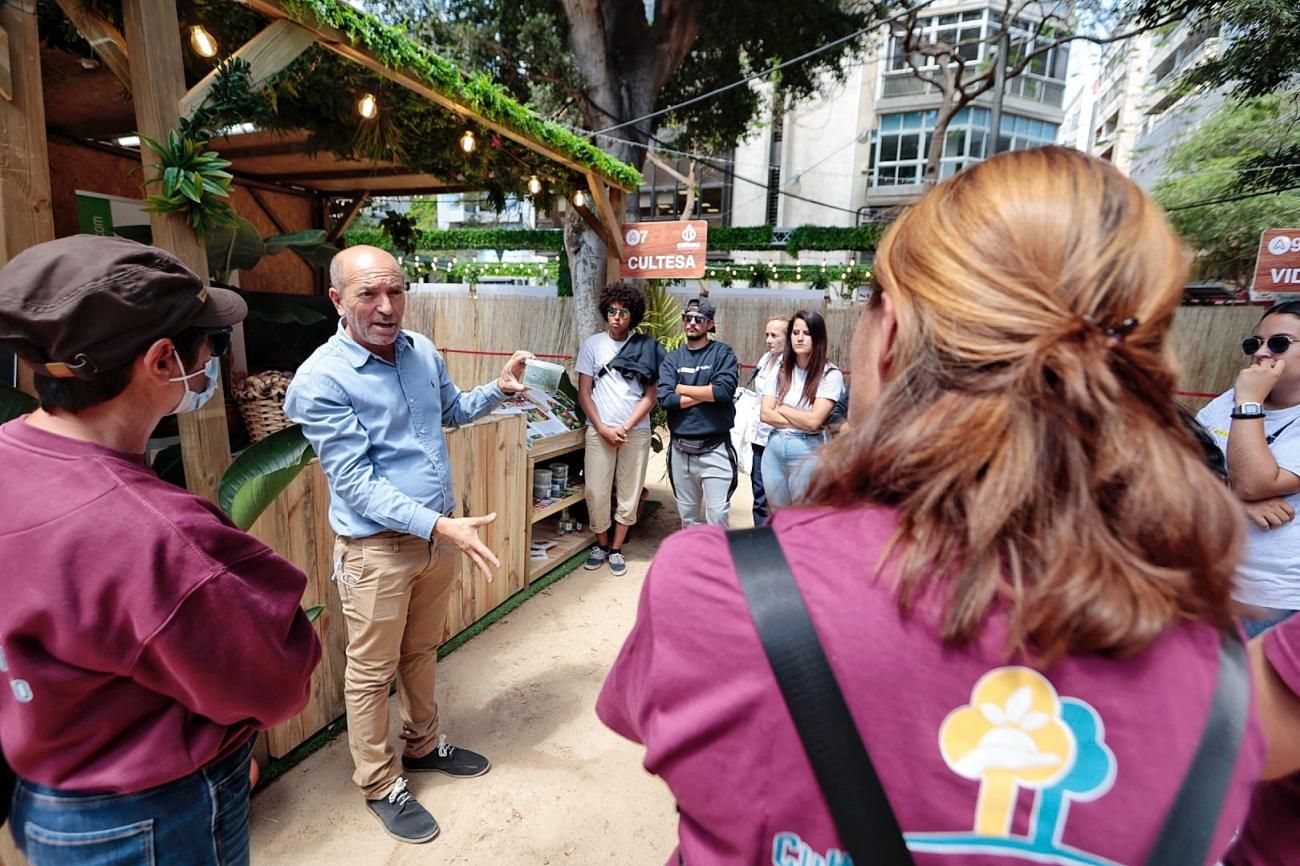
{"points": [[619, 469], [395, 589]]}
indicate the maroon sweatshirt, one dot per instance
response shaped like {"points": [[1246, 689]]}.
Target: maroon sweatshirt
{"points": [[143, 635]]}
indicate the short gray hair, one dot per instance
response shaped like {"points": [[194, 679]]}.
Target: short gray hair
{"points": [[336, 273]]}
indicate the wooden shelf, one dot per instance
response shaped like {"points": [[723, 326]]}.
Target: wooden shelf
{"points": [[554, 445], [565, 546], [557, 506]]}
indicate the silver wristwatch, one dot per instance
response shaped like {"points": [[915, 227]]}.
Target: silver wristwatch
{"points": [[1242, 411]]}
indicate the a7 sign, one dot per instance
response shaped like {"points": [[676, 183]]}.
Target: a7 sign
{"points": [[1277, 268], [665, 250]]}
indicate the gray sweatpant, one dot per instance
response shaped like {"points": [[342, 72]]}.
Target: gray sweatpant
{"points": [[706, 479]]}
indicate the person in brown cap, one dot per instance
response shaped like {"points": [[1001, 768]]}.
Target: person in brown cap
{"points": [[144, 640]]}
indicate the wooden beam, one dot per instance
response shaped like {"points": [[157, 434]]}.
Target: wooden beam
{"points": [[26, 217], [153, 34], [104, 38], [614, 235], [349, 216], [613, 258], [339, 43], [266, 53], [6, 69]]}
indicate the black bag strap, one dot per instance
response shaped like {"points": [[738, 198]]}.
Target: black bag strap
{"points": [[857, 802], [7, 783], [863, 817], [1189, 826]]}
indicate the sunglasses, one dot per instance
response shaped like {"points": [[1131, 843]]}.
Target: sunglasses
{"points": [[618, 314], [694, 317], [1277, 344], [219, 342]]}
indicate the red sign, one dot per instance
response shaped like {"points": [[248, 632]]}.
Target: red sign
{"points": [[1277, 268], [674, 250]]}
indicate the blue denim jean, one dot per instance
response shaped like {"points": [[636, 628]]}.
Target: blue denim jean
{"points": [[198, 820], [788, 463], [1270, 617]]}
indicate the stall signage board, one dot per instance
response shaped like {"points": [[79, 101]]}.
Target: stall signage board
{"points": [[1277, 267], [665, 250]]}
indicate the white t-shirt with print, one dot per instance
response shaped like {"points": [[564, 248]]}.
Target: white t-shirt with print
{"points": [[1269, 574], [615, 396], [766, 371], [830, 387]]}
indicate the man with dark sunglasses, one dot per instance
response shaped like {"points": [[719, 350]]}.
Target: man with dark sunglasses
{"points": [[1255, 425], [144, 639], [697, 387]]}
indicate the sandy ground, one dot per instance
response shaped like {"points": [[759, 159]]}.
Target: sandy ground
{"points": [[562, 789]]}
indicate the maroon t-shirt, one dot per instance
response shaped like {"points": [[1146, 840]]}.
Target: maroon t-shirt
{"points": [[143, 635], [1271, 836], [985, 760]]}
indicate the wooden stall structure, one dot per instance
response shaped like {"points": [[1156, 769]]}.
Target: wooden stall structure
{"points": [[64, 119]]}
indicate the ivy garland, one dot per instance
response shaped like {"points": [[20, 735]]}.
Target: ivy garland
{"points": [[737, 238]]}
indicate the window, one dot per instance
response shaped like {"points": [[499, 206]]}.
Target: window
{"points": [[902, 142]]}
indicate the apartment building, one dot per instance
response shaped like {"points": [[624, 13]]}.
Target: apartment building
{"points": [[1138, 115]]}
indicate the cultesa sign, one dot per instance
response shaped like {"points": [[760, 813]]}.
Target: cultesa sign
{"points": [[1277, 267], [665, 250]]}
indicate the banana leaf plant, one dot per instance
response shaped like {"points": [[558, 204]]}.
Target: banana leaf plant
{"points": [[260, 474], [14, 402]]}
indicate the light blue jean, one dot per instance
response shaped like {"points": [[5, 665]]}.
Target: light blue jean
{"points": [[1256, 627], [198, 820], [788, 463]]}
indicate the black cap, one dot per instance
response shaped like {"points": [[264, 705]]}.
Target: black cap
{"points": [[84, 304], [703, 307]]}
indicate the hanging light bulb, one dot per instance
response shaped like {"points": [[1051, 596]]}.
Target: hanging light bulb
{"points": [[367, 107], [202, 42], [534, 185], [580, 198], [467, 142]]}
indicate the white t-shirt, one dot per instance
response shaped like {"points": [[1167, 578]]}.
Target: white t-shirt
{"points": [[830, 387], [615, 396], [1269, 574], [762, 375]]}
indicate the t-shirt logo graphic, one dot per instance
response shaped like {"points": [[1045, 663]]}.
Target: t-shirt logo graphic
{"points": [[1018, 734]]}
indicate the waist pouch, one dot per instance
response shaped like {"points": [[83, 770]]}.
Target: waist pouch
{"points": [[690, 445]]}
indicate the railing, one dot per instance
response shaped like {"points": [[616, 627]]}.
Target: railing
{"points": [[898, 84]]}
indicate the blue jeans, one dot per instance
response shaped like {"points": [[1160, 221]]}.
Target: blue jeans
{"points": [[198, 820], [788, 463], [1256, 627]]}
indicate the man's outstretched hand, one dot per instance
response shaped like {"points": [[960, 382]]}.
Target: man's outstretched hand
{"points": [[463, 532], [511, 381]]}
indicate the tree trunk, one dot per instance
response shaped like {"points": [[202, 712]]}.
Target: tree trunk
{"points": [[587, 268], [934, 155]]}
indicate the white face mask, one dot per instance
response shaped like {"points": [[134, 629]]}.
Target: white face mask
{"points": [[193, 400]]}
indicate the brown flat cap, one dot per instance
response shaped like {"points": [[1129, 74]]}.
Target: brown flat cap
{"points": [[84, 304]]}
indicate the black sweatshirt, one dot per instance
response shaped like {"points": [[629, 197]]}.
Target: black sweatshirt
{"points": [[714, 364]]}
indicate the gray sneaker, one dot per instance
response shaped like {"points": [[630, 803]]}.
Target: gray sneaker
{"points": [[596, 558], [402, 816], [617, 564]]}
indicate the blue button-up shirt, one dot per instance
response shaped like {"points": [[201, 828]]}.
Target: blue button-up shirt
{"points": [[377, 429]]}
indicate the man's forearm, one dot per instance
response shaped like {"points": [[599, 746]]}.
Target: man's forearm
{"points": [[698, 393], [1252, 470]]}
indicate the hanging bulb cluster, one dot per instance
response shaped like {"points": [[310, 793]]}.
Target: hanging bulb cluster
{"points": [[202, 41], [367, 106]]}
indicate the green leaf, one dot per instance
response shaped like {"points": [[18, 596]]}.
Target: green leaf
{"points": [[305, 239], [318, 256], [187, 189], [14, 402], [234, 247], [171, 180], [261, 473]]}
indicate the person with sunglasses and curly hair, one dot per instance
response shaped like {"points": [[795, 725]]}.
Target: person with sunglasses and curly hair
{"points": [[1254, 423], [617, 397]]}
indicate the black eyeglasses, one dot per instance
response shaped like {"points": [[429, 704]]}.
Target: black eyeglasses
{"points": [[219, 342], [694, 317], [1277, 344], [618, 314]]}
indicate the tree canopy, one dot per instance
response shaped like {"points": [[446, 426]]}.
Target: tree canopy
{"points": [[1203, 171]]}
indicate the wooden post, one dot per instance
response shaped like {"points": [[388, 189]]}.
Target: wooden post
{"points": [[613, 262], [26, 218], [103, 38], [158, 82]]}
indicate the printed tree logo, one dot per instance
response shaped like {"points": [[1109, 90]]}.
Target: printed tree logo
{"points": [[1010, 736]]}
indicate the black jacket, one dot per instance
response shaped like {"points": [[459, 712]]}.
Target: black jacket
{"points": [[639, 359], [714, 364]]}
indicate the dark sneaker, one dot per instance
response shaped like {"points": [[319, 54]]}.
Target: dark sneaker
{"points": [[461, 763], [617, 564], [596, 558], [402, 816]]}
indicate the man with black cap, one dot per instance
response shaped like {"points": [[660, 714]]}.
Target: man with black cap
{"points": [[697, 387], [144, 639]]}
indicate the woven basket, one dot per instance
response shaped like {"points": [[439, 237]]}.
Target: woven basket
{"points": [[263, 417]]}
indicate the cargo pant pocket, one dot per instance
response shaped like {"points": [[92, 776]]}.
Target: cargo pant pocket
{"points": [[129, 845]]}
